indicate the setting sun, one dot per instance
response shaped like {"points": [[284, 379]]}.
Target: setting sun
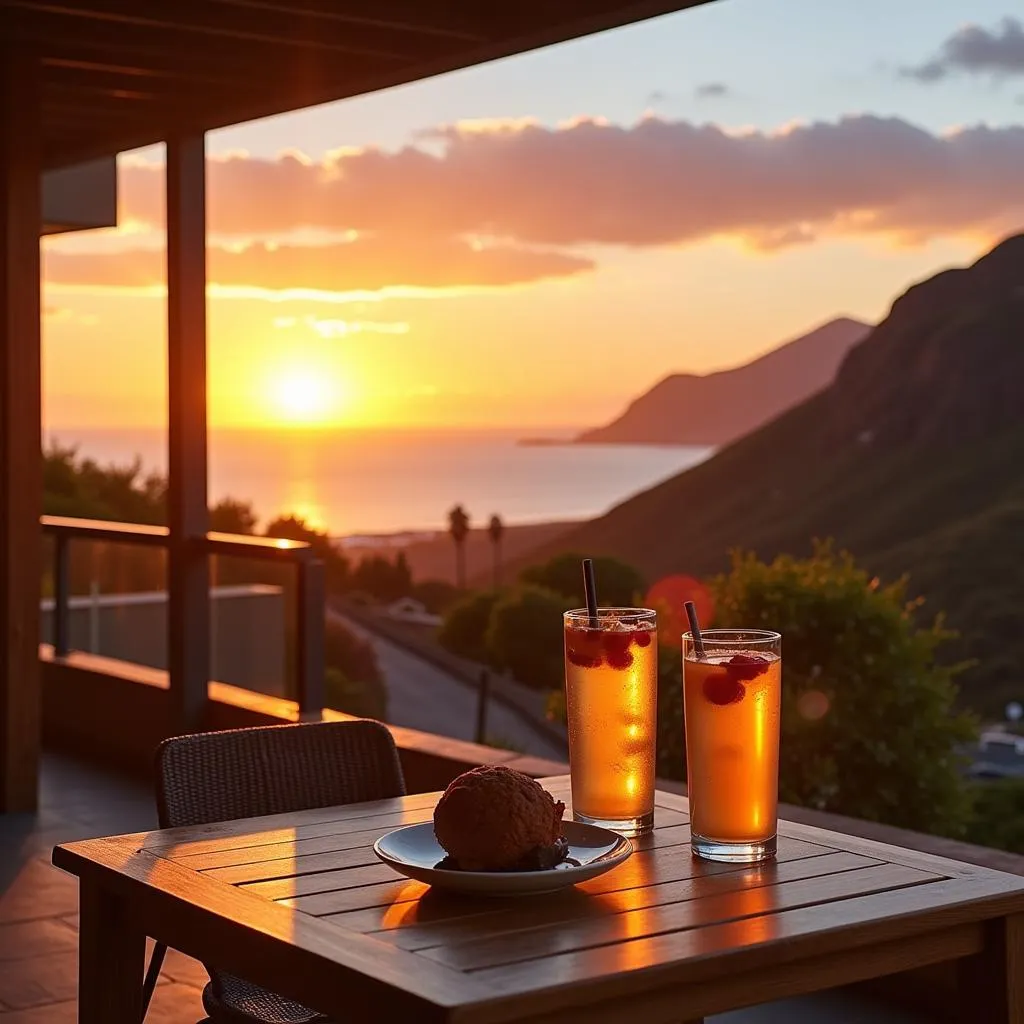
{"points": [[306, 397]]}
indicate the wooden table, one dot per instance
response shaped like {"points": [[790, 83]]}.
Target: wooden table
{"points": [[299, 904]]}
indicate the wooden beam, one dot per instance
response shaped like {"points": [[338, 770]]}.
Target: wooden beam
{"points": [[445, 19], [225, 68], [188, 575], [62, 75], [126, 23], [20, 443]]}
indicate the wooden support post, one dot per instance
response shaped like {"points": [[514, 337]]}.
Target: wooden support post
{"points": [[309, 634], [111, 958], [20, 430], [482, 695], [61, 596], [991, 983], [188, 577]]}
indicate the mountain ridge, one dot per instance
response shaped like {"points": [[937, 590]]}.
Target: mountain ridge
{"points": [[716, 408]]}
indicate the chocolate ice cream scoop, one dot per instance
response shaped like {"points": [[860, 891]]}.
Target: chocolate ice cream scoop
{"points": [[497, 819]]}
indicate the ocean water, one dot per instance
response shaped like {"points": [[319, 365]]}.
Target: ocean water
{"points": [[371, 482]]}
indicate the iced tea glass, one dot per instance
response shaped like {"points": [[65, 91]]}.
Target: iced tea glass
{"points": [[732, 696], [611, 700]]}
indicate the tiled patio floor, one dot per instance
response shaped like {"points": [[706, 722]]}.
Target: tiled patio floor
{"points": [[39, 906]]}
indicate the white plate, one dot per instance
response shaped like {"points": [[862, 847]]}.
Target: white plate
{"points": [[415, 852]]}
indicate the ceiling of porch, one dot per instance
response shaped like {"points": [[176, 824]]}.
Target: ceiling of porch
{"points": [[118, 74]]}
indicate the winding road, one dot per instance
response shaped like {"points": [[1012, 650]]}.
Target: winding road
{"points": [[422, 696]]}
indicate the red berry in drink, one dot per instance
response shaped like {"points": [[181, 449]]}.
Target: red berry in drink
{"points": [[642, 638], [582, 658], [619, 658], [744, 667], [583, 647], [723, 688], [616, 649]]}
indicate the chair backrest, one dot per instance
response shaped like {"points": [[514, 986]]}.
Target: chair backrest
{"points": [[245, 773]]}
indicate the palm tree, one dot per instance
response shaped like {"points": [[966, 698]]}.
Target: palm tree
{"points": [[496, 530], [458, 527]]}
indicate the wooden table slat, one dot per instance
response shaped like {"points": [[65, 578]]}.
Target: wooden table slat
{"points": [[883, 851], [255, 835], [355, 855], [239, 856], [612, 928], [436, 919], [645, 867], [251, 834], [698, 953]]}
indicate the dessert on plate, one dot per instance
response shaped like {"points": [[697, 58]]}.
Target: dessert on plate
{"points": [[497, 819]]}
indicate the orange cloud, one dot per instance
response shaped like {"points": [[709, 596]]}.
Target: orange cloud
{"points": [[369, 262], [654, 183]]}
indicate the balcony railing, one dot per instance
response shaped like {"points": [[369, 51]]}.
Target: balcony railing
{"points": [[310, 585]]}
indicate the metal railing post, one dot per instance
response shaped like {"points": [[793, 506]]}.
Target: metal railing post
{"points": [[483, 692], [61, 596], [309, 644]]}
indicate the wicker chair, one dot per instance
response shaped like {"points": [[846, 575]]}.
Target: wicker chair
{"points": [[246, 773]]}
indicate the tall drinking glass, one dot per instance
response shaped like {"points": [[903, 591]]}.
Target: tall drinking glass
{"points": [[732, 694], [611, 699]]}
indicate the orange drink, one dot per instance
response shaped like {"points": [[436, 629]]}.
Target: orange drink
{"points": [[611, 699], [732, 694]]}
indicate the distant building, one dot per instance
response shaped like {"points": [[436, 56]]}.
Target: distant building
{"points": [[408, 609]]}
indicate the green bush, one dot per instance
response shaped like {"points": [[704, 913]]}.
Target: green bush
{"points": [[437, 596], [385, 580], [352, 681], [230, 515], [74, 486], [671, 763], [367, 699], [617, 583], [464, 630], [868, 723], [525, 636], [293, 527], [997, 814]]}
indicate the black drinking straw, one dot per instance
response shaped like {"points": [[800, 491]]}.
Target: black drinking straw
{"points": [[698, 640], [590, 590]]}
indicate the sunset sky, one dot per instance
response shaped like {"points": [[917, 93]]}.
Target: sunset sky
{"points": [[532, 242]]}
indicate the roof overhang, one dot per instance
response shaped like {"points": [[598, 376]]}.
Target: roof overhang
{"points": [[118, 74]]}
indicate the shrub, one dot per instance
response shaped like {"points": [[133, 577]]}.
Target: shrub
{"points": [[352, 681], [617, 582], [230, 515], [464, 630], [385, 580], [363, 699], [525, 636], [437, 596], [868, 722], [292, 527], [997, 814], [671, 763]]}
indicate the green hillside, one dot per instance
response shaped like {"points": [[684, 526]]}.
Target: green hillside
{"points": [[913, 459]]}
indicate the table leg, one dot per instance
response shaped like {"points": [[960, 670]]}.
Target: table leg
{"points": [[991, 983], [111, 957]]}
